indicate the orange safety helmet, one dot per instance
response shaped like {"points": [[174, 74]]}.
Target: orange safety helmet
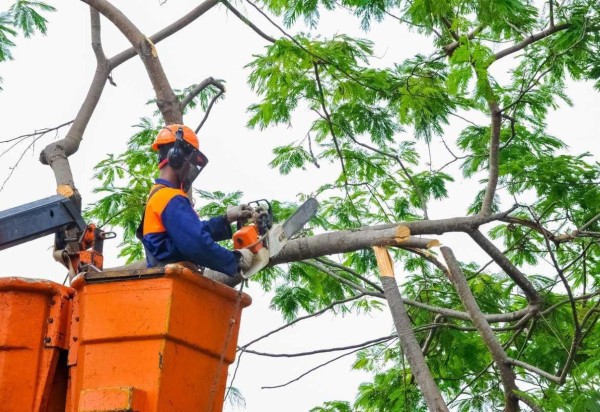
{"points": [[167, 135]]}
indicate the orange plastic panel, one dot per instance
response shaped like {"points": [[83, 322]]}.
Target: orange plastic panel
{"points": [[247, 237], [110, 400], [34, 316], [169, 338]]}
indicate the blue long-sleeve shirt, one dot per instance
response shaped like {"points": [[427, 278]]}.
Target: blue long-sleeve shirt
{"points": [[188, 238]]}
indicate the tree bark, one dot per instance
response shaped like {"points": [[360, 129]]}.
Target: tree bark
{"points": [[166, 100], [408, 341], [507, 375]]}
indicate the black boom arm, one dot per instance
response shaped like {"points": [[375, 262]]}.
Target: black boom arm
{"points": [[54, 214]]}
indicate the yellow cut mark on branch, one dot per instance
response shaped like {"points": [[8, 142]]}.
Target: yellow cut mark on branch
{"points": [[433, 243], [402, 234], [65, 190], [384, 261], [152, 48]]}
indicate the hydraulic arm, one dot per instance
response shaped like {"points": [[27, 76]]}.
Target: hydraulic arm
{"points": [[55, 214]]}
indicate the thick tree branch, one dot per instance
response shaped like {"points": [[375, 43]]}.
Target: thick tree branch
{"points": [[490, 190], [507, 375], [167, 31], [166, 100], [56, 154], [408, 341], [531, 39], [511, 270]]}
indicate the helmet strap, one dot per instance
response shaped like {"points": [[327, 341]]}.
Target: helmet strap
{"points": [[163, 163]]}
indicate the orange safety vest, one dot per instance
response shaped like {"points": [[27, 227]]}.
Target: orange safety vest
{"points": [[159, 198]]}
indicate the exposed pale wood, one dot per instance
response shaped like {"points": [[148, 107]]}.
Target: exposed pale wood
{"points": [[433, 243], [384, 261]]}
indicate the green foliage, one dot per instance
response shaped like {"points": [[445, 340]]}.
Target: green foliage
{"points": [[375, 124], [125, 181], [27, 18], [22, 16]]}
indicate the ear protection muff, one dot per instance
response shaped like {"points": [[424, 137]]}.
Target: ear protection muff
{"points": [[175, 155]]}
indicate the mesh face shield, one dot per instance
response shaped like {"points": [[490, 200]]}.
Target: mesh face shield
{"points": [[193, 164]]}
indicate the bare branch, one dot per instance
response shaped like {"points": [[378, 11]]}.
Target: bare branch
{"points": [[248, 22], [507, 375], [510, 269], [167, 31], [535, 370], [317, 367], [531, 39], [411, 347], [490, 190], [329, 262], [210, 105], [210, 81], [301, 318], [317, 351], [166, 100]]}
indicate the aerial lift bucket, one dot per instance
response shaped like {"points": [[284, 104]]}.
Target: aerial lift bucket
{"points": [[151, 340], [34, 322]]}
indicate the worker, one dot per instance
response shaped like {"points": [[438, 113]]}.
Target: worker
{"points": [[171, 231]]}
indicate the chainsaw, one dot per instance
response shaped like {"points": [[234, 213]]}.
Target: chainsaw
{"points": [[266, 239]]}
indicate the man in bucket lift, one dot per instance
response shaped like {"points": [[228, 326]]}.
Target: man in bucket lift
{"points": [[170, 230]]}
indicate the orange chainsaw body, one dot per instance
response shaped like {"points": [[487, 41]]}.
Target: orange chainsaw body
{"points": [[247, 237]]}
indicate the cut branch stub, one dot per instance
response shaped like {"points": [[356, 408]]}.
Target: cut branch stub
{"points": [[384, 261], [402, 234]]}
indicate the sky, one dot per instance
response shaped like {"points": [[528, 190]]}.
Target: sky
{"points": [[46, 83]]}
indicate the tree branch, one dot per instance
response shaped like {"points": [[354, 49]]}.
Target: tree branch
{"points": [[490, 190], [317, 367], [507, 375], [248, 22], [408, 341], [531, 39], [317, 351], [301, 318], [511, 270], [167, 31], [166, 100], [535, 370], [209, 81], [450, 48]]}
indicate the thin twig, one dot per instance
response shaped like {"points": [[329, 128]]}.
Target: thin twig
{"points": [[317, 367], [248, 22], [312, 315], [314, 352], [329, 262]]}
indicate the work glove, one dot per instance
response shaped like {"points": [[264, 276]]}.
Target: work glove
{"points": [[245, 257], [240, 213]]}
